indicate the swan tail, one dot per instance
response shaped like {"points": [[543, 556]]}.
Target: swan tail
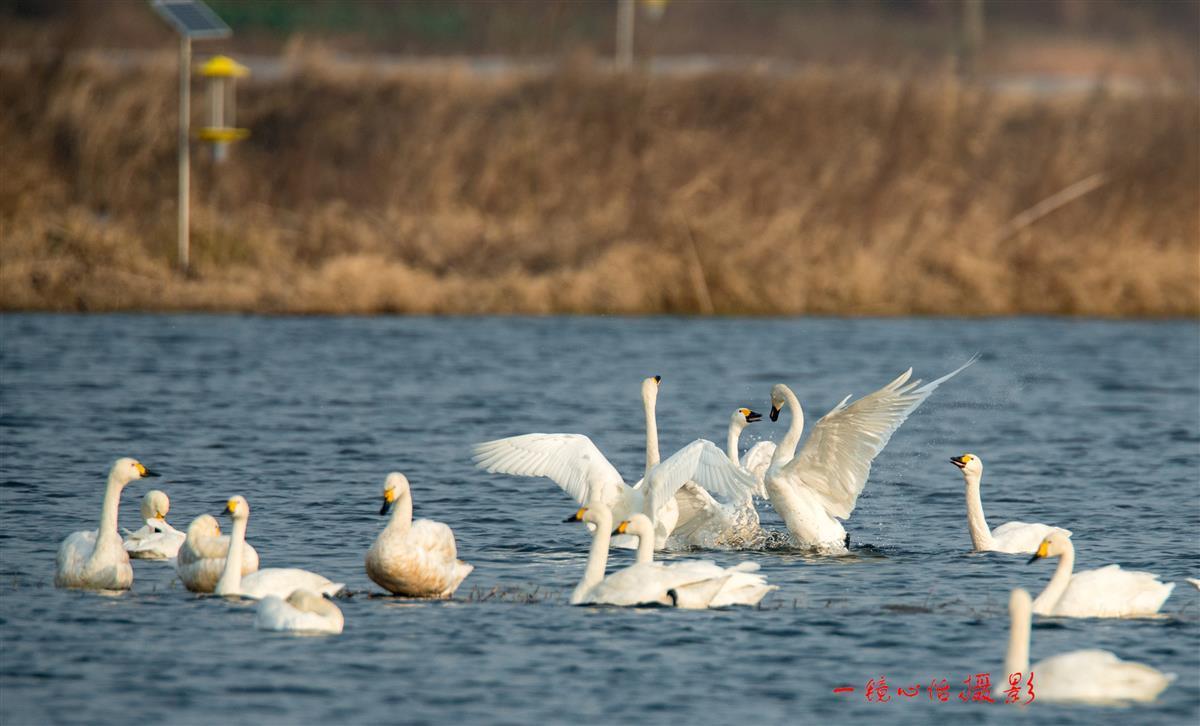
{"points": [[460, 572]]}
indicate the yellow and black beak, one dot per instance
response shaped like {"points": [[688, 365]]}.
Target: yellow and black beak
{"points": [[959, 461], [658, 380], [577, 516], [774, 413], [1042, 550], [389, 498], [146, 473], [753, 416], [621, 527]]}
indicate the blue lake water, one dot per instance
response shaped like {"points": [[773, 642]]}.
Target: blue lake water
{"points": [[1091, 425]]}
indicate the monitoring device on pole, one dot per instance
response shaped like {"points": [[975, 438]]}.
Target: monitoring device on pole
{"points": [[193, 20]]}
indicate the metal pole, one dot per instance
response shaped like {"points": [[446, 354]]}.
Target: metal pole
{"points": [[185, 75], [625, 15]]}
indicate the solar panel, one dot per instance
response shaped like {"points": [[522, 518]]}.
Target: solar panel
{"points": [[192, 18]]}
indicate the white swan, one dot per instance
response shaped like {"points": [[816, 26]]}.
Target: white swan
{"points": [[641, 583], [417, 559], [96, 559], [1010, 537], [705, 522], [1194, 582], [156, 540], [1107, 592], [271, 581], [816, 488], [304, 611], [574, 463], [740, 586], [1082, 676], [201, 558]]}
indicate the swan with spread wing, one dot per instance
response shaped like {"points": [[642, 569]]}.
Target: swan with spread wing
{"points": [[575, 463], [814, 489]]}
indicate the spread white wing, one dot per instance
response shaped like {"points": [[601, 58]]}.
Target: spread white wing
{"points": [[836, 460], [570, 460], [702, 462]]}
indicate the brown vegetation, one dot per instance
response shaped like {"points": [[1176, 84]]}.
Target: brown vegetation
{"points": [[362, 191]]}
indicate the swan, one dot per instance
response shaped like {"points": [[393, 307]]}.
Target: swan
{"points": [[575, 463], [705, 522], [157, 540], [1194, 582], [271, 581], [304, 611], [1010, 537], [641, 583], [201, 558], [812, 490], [96, 559], [1107, 592], [1082, 676], [417, 559], [740, 587]]}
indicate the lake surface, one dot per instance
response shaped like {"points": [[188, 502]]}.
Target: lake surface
{"points": [[1094, 426]]}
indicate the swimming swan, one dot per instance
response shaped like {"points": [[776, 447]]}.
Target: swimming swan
{"points": [[304, 611], [271, 581], [821, 484], [574, 463], [1107, 592], [201, 558], [96, 559], [641, 583], [705, 522], [740, 586], [1082, 676], [156, 540], [1011, 537], [417, 559]]}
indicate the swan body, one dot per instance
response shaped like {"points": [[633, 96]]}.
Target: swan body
{"points": [[278, 581], [417, 559], [739, 584], [156, 540], [575, 463], [201, 558], [96, 559], [1083, 676], [304, 611], [1194, 582], [1010, 537], [1107, 592], [814, 489]]}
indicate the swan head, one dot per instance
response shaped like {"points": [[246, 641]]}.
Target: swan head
{"points": [[126, 470], [742, 417], [650, 388], [969, 463], [155, 505], [594, 514], [1056, 544], [237, 508], [203, 526], [639, 525], [778, 400], [311, 602], [394, 487]]}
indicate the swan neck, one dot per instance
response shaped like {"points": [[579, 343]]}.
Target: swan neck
{"points": [[109, 510], [1016, 660], [231, 577], [402, 512], [652, 456], [981, 535], [597, 558], [786, 450], [1058, 583], [645, 548], [731, 443]]}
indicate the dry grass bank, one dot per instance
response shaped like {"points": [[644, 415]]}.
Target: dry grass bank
{"points": [[843, 193]]}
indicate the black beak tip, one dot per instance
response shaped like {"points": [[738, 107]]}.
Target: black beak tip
{"points": [[571, 518], [150, 474], [774, 414], [957, 462], [658, 379], [753, 416], [1033, 559]]}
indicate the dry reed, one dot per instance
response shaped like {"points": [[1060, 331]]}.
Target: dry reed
{"points": [[825, 192]]}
